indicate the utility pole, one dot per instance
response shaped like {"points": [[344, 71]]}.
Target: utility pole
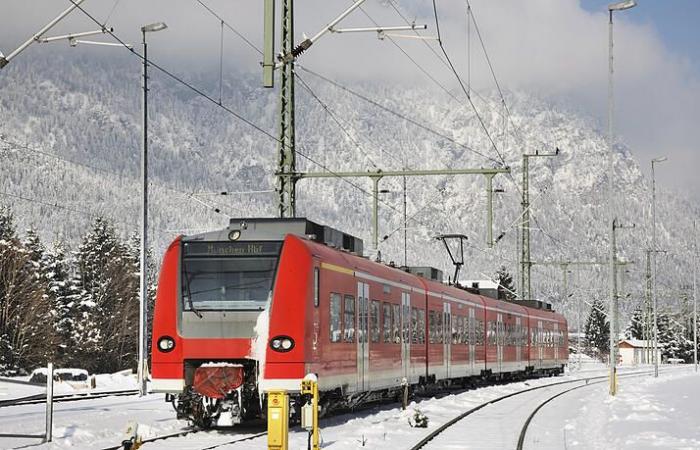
{"points": [[610, 223], [653, 266], [613, 316], [143, 307], [614, 309], [647, 313], [405, 225], [565, 265], [525, 263], [286, 167], [695, 296], [286, 184]]}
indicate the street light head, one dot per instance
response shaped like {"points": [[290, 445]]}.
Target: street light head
{"points": [[153, 27], [659, 159], [621, 6]]}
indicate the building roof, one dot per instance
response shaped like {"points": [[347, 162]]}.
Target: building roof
{"points": [[637, 343]]}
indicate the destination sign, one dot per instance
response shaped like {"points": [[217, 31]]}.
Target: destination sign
{"points": [[268, 248]]}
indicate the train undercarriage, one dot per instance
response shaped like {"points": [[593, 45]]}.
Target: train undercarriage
{"points": [[243, 403]]}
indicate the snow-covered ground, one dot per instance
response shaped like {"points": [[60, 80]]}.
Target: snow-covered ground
{"points": [[647, 413]]}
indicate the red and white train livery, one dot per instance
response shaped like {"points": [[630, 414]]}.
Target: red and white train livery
{"points": [[364, 328]]}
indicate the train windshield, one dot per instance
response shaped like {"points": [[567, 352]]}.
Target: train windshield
{"points": [[228, 278]]}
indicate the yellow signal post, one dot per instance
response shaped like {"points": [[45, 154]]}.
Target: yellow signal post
{"points": [[309, 412], [277, 420]]}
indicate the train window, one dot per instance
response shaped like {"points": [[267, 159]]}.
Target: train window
{"points": [[455, 326], [226, 283], [421, 326], [316, 286], [510, 333], [386, 321], [479, 332], [406, 323], [335, 331], [349, 319], [396, 330], [414, 325], [471, 333], [374, 320]]}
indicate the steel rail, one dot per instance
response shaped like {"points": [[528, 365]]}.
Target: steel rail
{"points": [[188, 432], [41, 398], [523, 431], [423, 442]]}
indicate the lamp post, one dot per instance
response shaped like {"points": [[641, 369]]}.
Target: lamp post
{"points": [[143, 306], [619, 6], [653, 272]]}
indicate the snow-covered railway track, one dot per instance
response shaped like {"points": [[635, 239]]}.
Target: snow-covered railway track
{"points": [[205, 439], [41, 398], [528, 421], [496, 427]]}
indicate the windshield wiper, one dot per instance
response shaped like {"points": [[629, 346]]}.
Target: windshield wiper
{"points": [[189, 294]]}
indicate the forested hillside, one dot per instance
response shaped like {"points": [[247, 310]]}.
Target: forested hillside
{"points": [[70, 152]]}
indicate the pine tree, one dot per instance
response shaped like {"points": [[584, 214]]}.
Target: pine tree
{"points": [[7, 227], [105, 290], [506, 286], [25, 340], [635, 330], [598, 330], [56, 272]]}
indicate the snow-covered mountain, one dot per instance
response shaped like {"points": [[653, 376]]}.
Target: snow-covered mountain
{"points": [[88, 112]]}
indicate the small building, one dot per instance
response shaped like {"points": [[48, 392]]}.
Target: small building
{"points": [[636, 351]]}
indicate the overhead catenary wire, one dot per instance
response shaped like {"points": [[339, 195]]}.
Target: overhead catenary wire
{"points": [[464, 89], [235, 114], [49, 204], [396, 113], [335, 119], [18, 145], [229, 26]]}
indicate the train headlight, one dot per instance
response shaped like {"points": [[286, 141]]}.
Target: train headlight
{"points": [[282, 343], [166, 344], [234, 235]]}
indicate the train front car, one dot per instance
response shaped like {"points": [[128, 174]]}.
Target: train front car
{"points": [[212, 290]]}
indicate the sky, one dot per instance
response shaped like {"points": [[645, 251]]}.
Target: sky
{"points": [[554, 48]]}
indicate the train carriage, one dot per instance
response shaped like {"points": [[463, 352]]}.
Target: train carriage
{"points": [[263, 302]]}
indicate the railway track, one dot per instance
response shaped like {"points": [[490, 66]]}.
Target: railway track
{"points": [[589, 381], [41, 398], [528, 421], [210, 445]]}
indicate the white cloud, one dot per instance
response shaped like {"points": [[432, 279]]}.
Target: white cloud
{"points": [[553, 47]]}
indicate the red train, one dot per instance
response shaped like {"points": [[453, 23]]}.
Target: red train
{"points": [[263, 302]]}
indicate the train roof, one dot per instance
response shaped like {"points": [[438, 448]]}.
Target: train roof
{"points": [[275, 229], [399, 275]]}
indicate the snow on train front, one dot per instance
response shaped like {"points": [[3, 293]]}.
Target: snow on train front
{"points": [[212, 289], [214, 293]]}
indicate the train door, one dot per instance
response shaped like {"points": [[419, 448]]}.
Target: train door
{"points": [[499, 342], [447, 337], [555, 341], [472, 340], [405, 335], [518, 340], [540, 343], [362, 336]]}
